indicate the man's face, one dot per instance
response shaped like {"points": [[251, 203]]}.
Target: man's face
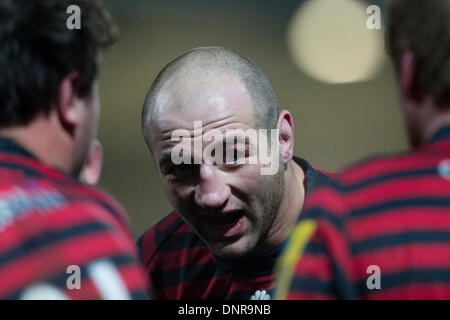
{"points": [[231, 206]]}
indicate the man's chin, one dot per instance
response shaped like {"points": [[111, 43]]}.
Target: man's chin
{"points": [[231, 249]]}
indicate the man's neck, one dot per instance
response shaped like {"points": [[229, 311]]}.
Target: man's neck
{"points": [[290, 208], [294, 199], [39, 138]]}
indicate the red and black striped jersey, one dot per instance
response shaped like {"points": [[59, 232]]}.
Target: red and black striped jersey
{"points": [[381, 231], [60, 239], [181, 266]]}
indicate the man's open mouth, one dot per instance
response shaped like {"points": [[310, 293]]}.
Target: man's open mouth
{"points": [[225, 220]]}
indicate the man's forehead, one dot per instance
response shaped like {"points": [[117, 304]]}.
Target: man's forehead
{"points": [[209, 101]]}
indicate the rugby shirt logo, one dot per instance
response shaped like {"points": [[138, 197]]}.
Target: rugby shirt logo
{"points": [[260, 295], [444, 169]]}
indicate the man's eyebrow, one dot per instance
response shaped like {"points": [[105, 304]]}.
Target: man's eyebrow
{"points": [[236, 138], [167, 153], [231, 140]]}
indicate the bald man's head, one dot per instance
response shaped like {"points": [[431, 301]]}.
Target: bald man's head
{"points": [[211, 65]]}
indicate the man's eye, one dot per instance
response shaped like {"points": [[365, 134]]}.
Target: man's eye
{"points": [[232, 156], [180, 169]]}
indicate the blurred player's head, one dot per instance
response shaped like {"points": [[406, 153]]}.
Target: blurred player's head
{"points": [[418, 40], [48, 81], [233, 207]]}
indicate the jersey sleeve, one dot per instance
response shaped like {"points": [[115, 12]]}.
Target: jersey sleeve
{"points": [[316, 260]]}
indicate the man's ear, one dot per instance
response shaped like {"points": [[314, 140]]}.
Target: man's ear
{"points": [[70, 113], [409, 70], [93, 167], [287, 135]]}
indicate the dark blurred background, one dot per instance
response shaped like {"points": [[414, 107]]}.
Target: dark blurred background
{"points": [[326, 66]]}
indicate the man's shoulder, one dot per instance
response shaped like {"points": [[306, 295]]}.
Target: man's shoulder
{"points": [[170, 234], [44, 224], [338, 196], [25, 195], [99, 198], [81, 197], [380, 168], [39, 183], [354, 175]]}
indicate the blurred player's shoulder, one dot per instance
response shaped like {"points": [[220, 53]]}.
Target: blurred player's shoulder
{"points": [[99, 200], [368, 184], [49, 221], [381, 168], [21, 172]]}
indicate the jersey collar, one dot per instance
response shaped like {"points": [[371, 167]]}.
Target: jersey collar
{"points": [[441, 134], [11, 147]]}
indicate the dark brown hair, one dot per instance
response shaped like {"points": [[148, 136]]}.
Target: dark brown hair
{"points": [[422, 26], [38, 50]]}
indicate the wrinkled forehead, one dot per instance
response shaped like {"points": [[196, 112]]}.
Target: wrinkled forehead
{"points": [[221, 102]]}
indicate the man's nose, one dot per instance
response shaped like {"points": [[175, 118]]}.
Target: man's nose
{"points": [[211, 191]]}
